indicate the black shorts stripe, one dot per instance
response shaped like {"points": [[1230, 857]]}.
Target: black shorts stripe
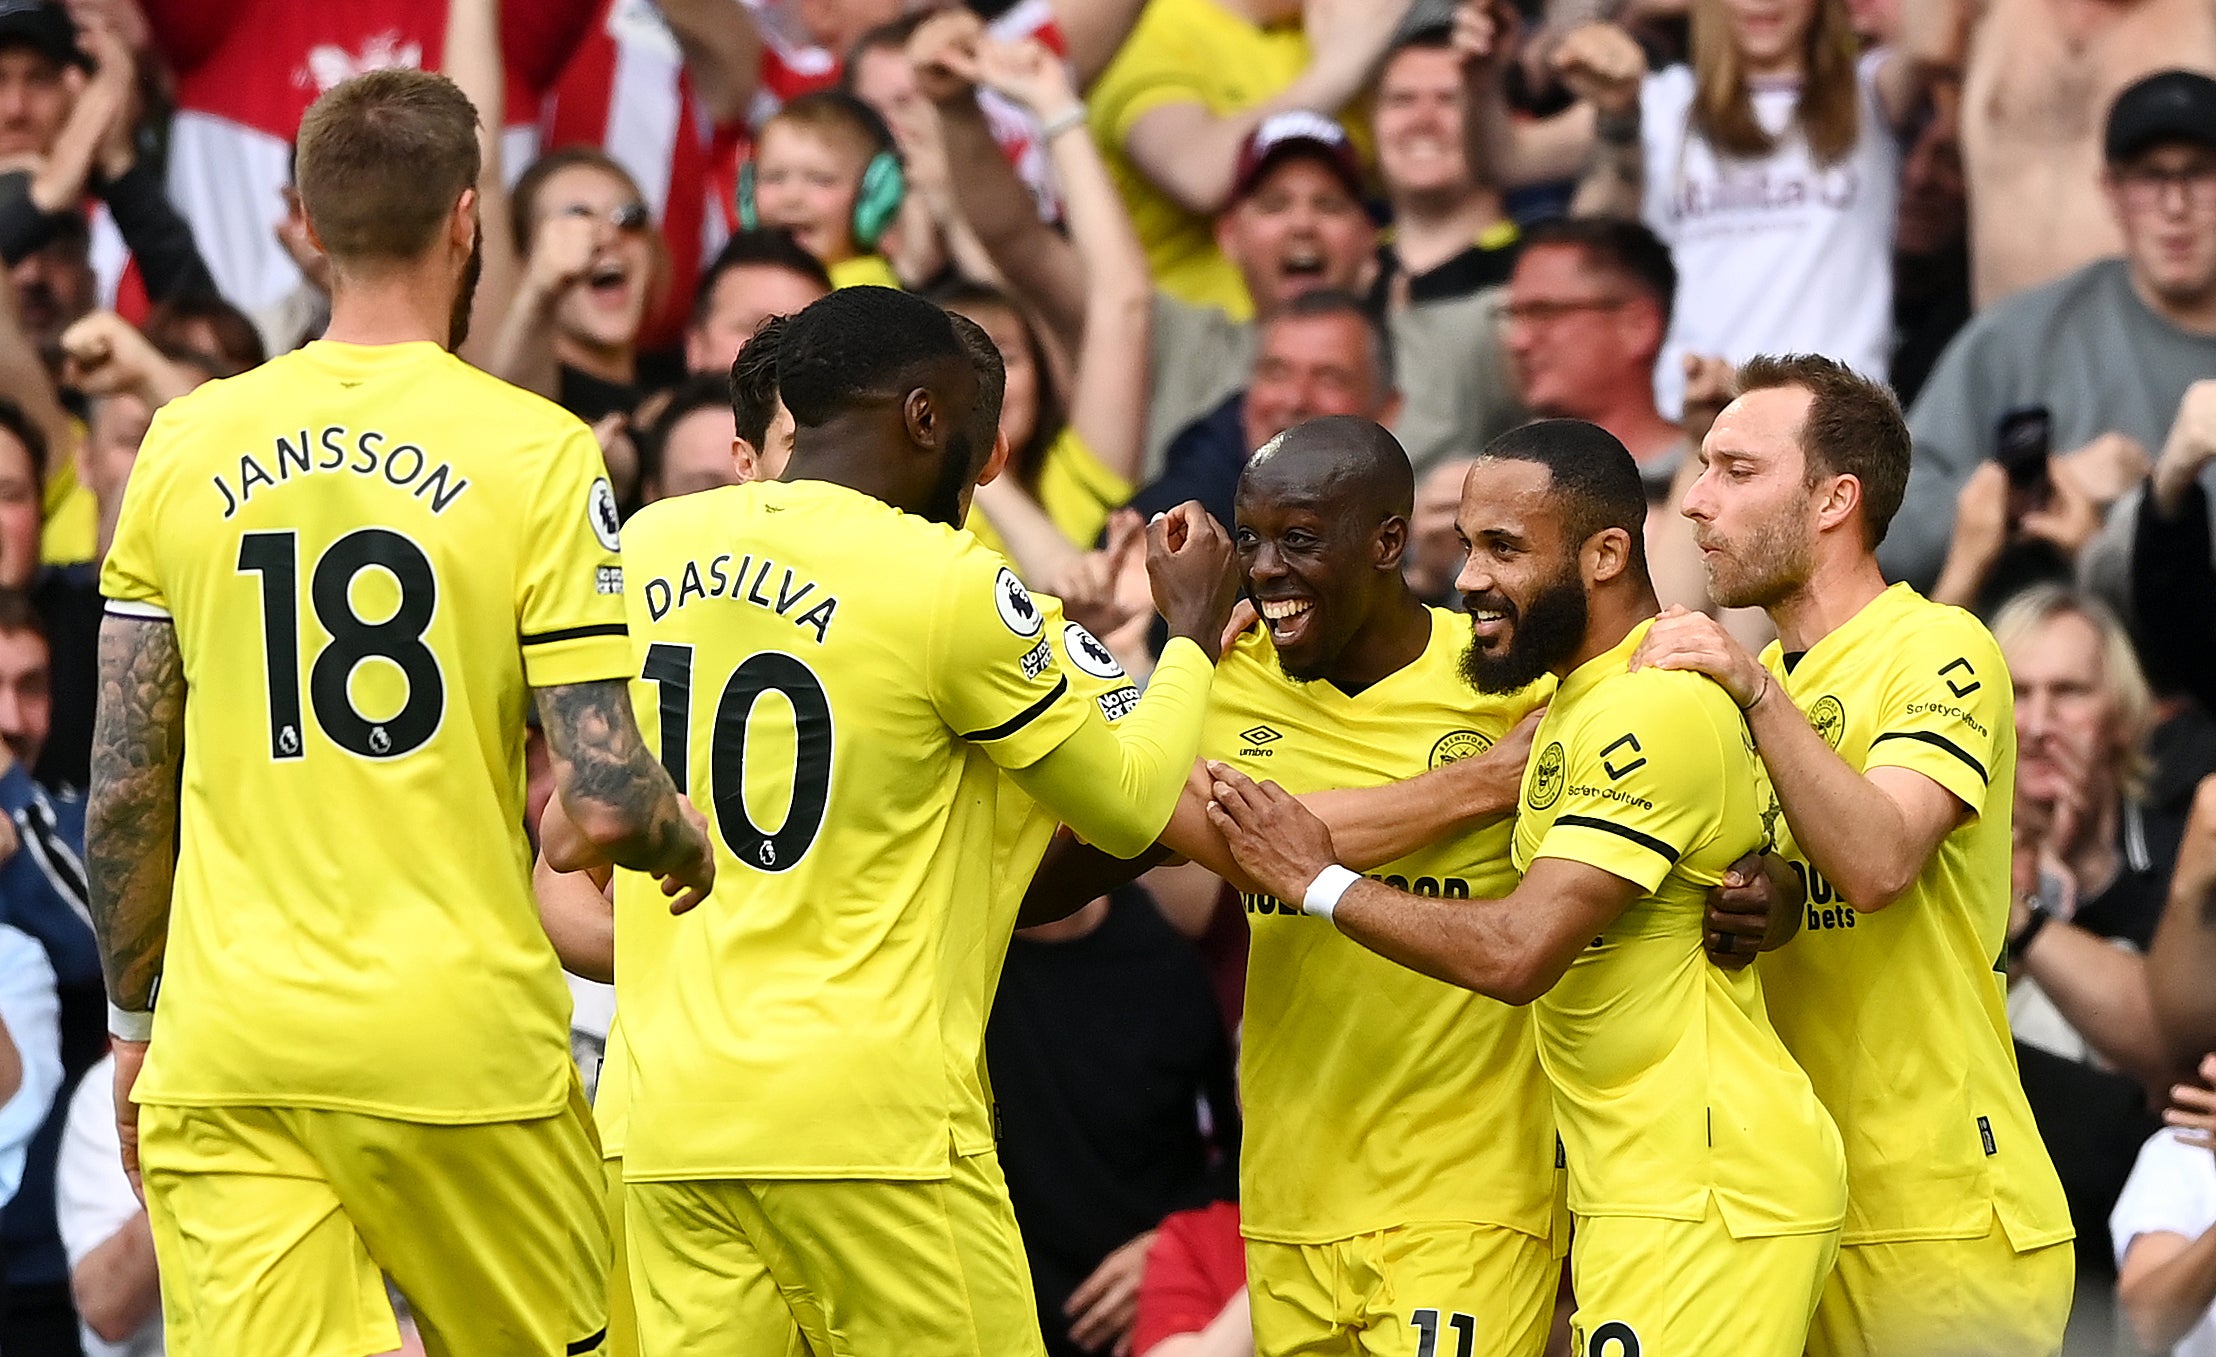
{"points": [[541, 638], [1941, 741], [589, 1343], [1022, 718], [1646, 841]]}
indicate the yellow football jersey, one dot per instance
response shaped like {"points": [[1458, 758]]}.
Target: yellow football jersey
{"points": [[833, 663], [370, 555], [1900, 1016], [1376, 1097], [1670, 1084], [1189, 51]]}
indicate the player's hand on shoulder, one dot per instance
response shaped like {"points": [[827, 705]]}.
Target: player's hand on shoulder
{"points": [[688, 885], [1756, 908], [1684, 639], [1189, 563], [1276, 840]]}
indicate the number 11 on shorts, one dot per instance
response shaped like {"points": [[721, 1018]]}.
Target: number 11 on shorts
{"points": [[1426, 1323]]}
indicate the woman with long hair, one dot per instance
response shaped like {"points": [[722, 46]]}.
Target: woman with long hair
{"points": [[1769, 165]]}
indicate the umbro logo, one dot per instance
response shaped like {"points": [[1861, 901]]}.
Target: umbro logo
{"points": [[1960, 689], [1259, 738], [1629, 744]]}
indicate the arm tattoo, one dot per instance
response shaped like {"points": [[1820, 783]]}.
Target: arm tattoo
{"points": [[604, 766], [138, 750]]}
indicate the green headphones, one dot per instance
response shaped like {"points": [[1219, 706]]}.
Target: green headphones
{"points": [[884, 183]]}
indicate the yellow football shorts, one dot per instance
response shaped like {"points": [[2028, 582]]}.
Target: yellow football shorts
{"points": [[1676, 1288], [623, 1317], [1946, 1298], [1430, 1290], [832, 1268], [272, 1226]]}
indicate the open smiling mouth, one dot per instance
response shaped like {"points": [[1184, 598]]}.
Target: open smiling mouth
{"points": [[1287, 618]]}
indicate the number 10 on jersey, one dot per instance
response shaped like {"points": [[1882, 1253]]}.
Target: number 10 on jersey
{"points": [[670, 668]]}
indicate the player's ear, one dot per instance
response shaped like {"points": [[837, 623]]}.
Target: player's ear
{"points": [[925, 421], [745, 461], [998, 462], [1607, 555], [1841, 503], [1391, 542], [462, 224]]}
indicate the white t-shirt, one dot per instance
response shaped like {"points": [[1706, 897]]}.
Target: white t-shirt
{"points": [[1777, 255], [32, 1013], [92, 1198], [2172, 1189]]}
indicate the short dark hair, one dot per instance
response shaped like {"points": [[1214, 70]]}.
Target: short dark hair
{"points": [[992, 377], [1596, 480], [238, 343], [753, 388], [1430, 37], [860, 344], [14, 420], [523, 199], [1330, 301], [761, 248], [1854, 428], [18, 614], [380, 161], [894, 35], [1618, 246]]}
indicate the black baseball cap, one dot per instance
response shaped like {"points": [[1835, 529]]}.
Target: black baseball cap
{"points": [[2166, 106]]}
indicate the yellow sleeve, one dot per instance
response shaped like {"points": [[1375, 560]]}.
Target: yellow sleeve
{"points": [[569, 583], [131, 577], [1156, 66], [1077, 491], [1639, 782], [1948, 703], [1117, 787], [991, 665]]}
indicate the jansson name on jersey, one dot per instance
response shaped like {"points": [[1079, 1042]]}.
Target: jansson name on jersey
{"points": [[367, 453], [784, 595]]}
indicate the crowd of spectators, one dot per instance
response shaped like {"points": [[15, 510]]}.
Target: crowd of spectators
{"points": [[1188, 226]]}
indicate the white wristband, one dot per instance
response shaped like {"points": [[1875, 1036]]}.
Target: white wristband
{"points": [[1072, 117], [124, 1025], [1324, 892]]}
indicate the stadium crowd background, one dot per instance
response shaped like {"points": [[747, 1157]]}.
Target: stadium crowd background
{"points": [[1190, 225]]}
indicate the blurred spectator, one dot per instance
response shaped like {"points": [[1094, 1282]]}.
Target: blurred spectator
{"points": [[1193, 1297], [2184, 951], [1113, 1078], [22, 463], [1444, 258], [756, 275], [1323, 354], [2164, 1229], [826, 169], [591, 267], [112, 1269], [2036, 75], [1769, 167], [246, 70], [1931, 250], [31, 1059], [219, 336], [2108, 351], [1588, 310], [692, 444], [929, 244], [42, 896], [2090, 888], [1196, 78], [1435, 551]]}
